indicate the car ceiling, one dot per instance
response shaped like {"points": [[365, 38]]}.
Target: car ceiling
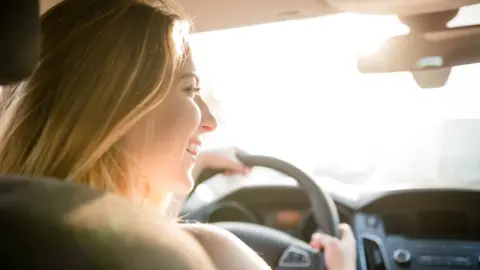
{"points": [[211, 15]]}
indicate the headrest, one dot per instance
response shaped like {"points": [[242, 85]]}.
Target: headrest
{"points": [[49, 224], [19, 39]]}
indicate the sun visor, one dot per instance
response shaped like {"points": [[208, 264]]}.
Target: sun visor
{"points": [[19, 39]]}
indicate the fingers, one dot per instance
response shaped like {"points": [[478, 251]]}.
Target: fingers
{"points": [[346, 232], [317, 241], [240, 170], [340, 253], [322, 241], [228, 172], [240, 151], [237, 166], [245, 169]]}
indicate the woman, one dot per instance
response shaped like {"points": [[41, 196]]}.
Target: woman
{"points": [[115, 104]]}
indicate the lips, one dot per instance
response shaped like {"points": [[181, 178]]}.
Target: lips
{"points": [[193, 147]]}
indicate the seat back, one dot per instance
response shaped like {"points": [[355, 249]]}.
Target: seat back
{"points": [[20, 39], [49, 224]]}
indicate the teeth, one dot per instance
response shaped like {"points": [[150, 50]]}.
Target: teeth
{"points": [[193, 148]]}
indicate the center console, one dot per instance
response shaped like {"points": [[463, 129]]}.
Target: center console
{"points": [[441, 232]]}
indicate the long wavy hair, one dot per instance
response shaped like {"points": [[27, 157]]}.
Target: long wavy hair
{"points": [[104, 65]]}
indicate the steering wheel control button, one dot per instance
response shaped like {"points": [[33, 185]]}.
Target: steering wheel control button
{"points": [[294, 257], [402, 256]]}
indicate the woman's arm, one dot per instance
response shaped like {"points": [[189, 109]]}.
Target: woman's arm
{"points": [[221, 159], [225, 249]]}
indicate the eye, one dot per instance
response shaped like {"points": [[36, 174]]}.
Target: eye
{"points": [[193, 91]]}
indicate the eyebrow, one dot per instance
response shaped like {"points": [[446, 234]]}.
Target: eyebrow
{"points": [[190, 74]]}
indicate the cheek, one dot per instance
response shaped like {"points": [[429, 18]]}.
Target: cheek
{"points": [[162, 138], [166, 128], [175, 126], [182, 125], [178, 120]]}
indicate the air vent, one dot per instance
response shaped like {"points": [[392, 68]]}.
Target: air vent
{"points": [[373, 255]]}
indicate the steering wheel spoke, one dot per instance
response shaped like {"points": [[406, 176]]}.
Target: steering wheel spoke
{"points": [[280, 250]]}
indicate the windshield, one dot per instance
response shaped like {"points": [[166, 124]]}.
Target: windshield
{"points": [[292, 90]]}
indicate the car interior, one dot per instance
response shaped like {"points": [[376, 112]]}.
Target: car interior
{"points": [[386, 91]]}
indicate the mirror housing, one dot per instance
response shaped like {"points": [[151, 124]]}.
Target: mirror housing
{"points": [[428, 56]]}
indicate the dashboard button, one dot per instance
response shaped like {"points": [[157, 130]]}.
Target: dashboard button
{"points": [[402, 256]]}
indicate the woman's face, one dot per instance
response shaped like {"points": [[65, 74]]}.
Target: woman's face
{"points": [[178, 125]]}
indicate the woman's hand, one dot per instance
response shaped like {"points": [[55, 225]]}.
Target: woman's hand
{"points": [[221, 158], [340, 254]]}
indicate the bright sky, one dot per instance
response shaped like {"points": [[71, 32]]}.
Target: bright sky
{"points": [[292, 90]]}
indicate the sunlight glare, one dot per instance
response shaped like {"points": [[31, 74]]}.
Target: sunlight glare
{"points": [[292, 90], [370, 48]]}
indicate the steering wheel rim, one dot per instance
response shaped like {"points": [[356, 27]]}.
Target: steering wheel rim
{"points": [[279, 249], [324, 210]]}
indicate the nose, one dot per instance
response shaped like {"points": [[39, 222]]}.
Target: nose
{"points": [[208, 122]]}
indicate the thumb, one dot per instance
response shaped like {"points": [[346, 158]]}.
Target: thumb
{"points": [[321, 241], [237, 164], [346, 232], [232, 163]]}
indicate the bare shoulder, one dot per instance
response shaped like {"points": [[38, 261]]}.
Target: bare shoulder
{"points": [[137, 238], [206, 231], [225, 249], [188, 253]]}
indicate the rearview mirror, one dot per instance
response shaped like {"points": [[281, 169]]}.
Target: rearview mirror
{"points": [[439, 50]]}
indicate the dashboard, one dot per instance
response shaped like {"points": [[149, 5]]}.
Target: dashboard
{"points": [[414, 228], [420, 229], [291, 216]]}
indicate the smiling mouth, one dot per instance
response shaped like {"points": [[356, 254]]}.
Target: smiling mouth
{"points": [[193, 149]]}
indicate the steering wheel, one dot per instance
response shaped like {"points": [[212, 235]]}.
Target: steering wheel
{"points": [[280, 250]]}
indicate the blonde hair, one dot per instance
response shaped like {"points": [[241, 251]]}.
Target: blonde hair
{"points": [[104, 65]]}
